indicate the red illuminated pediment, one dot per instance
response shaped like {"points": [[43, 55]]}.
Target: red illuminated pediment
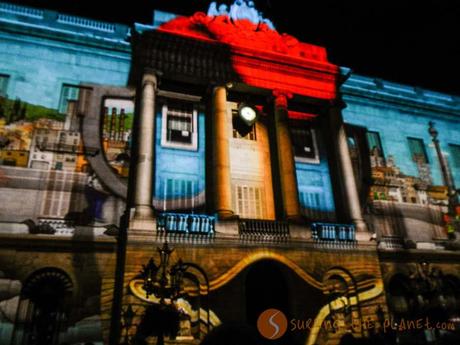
{"points": [[256, 54], [244, 33]]}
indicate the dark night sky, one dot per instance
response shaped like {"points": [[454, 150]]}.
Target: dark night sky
{"points": [[407, 41]]}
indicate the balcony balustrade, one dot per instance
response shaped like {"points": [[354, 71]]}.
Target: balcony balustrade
{"points": [[329, 232], [391, 242], [263, 229], [183, 223]]}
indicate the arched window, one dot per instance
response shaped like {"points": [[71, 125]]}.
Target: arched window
{"points": [[43, 308], [399, 292]]}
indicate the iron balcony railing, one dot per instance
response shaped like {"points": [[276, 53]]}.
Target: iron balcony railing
{"points": [[21, 10], [54, 20], [260, 229], [333, 232], [86, 23], [391, 242], [182, 223]]}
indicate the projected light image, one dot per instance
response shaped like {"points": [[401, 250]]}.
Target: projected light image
{"points": [[116, 133], [206, 178]]}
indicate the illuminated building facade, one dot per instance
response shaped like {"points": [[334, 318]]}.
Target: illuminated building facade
{"points": [[292, 184]]}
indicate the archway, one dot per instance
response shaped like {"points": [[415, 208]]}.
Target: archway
{"points": [[399, 294], [266, 288], [43, 307]]}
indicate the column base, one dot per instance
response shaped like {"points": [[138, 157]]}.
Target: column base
{"points": [[143, 223], [361, 226], [226, 215], [142, 229], [143, 212]]}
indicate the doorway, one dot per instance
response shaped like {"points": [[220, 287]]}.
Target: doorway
{"points": [[266, 288]]}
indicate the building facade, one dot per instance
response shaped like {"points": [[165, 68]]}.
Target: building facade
{"points": [[281, 180]]}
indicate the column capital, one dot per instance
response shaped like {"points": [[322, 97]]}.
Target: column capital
{"points": [[150, 78], [281, 97], [218, 87]]}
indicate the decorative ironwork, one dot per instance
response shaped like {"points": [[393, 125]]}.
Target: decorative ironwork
{"points": [[171, 283], [260, 229], [128, 317]]}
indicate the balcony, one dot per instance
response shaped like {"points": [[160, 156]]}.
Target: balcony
{"points": [[258, 229], [187, 224], [21, 10], [391, 242], [86, 23], [53, 21], [333, 233]]}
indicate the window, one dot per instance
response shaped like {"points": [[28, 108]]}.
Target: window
{"points": [[178, 188], [375, 144], [454, 163], [251, 134], [68, 93], [177, 194], [248, 201], [417, 150], [304, 142], [313, 204], [179, 126], [455, 154], [3, 84], [44, 305]]}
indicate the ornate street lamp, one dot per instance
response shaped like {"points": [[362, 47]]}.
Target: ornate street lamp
{"points": [[452, 194], [168, 283], [160, 281], [128, 317]]}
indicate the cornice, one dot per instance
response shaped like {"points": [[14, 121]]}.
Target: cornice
{"points": [[400, 103], [65, 36], [204, 60]]}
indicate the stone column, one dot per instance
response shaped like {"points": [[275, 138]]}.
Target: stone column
{"points": [[349, 188], [286, 164], [221, 154], [144, 165]]}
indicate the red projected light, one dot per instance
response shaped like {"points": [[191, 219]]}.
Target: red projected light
{"points": [[261, 56]]}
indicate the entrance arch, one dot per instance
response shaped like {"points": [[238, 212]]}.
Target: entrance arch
{"points": [[265, 288], [266, 279], [43, 307]]}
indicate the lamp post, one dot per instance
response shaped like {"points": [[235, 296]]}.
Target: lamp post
{"points": [[128, 317], [447, 179], [156, 277], [168, 283]]}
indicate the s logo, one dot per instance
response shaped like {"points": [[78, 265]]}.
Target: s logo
{"points": [[272, 324]]}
